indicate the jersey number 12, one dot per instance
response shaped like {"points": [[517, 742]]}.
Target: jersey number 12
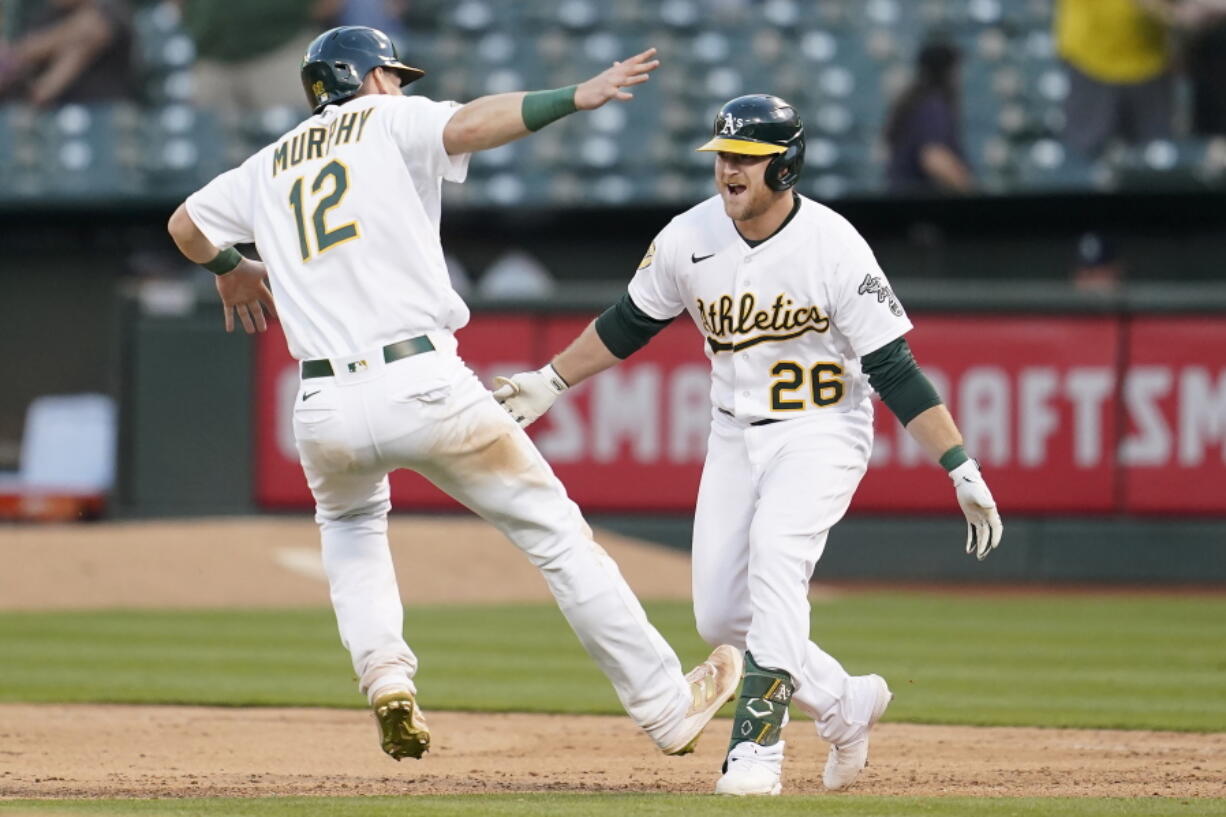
{"points": [[325, 239]]}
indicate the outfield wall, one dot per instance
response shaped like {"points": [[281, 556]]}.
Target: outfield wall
{"points": [[1102, 425]]}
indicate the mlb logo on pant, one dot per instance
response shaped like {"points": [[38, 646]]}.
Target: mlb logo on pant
{"points": [[358, 366]]}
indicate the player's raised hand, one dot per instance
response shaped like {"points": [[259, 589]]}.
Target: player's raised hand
{"points": [[983, 525], [244, 293], [608, 84], [528, 395]]}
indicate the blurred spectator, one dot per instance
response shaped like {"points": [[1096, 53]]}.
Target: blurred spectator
{"points": [[1203, 26], [1117, 54], [248, 51], [1099, 268], [72, 51], [923, 128]]}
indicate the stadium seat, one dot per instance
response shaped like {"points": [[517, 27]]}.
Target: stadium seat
{"points": [[683, 15], [820, 46], [26, 168], [81, 151], [782, 14], [835, 15], [1178, 164], [669, 187], [827, 186], [629, 14], [886, 13], [474, 15], [163, 52], [1046, 166], [184, 147]]}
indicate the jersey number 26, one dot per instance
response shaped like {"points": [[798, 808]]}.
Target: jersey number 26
{"points": [[824, 382]]}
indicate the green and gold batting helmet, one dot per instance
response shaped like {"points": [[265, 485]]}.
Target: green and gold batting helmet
{"points": [[762, 125], [337, 61]]}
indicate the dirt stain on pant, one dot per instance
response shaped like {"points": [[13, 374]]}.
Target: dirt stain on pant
{"points": [[493, 448]]}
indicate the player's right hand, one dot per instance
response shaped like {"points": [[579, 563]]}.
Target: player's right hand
{"points": [[983, 525], [608, 84], [244, 293], [528, 395]]}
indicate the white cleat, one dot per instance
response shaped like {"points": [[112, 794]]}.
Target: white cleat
{"points": [[845, 762], [712, 684], [753, 770]]}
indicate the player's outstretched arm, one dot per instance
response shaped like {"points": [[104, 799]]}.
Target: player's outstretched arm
{"points": [[905, 390], [494, 120], [240, 281], [620, 331], [528, 395], [934, 429]]}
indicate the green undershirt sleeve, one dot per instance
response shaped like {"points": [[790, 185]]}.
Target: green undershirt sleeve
{"points": [[894, 374], [624, 328]]}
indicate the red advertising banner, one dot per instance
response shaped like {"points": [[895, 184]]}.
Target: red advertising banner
{"points": [[1041, 402], [1173, 451], [635, 436], [1033, 397]]}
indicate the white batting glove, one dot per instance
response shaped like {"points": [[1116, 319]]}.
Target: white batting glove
{"points": [[983, 526], [528, 395]]}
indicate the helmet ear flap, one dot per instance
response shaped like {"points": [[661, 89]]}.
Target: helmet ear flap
{"points": [[784, 169]]}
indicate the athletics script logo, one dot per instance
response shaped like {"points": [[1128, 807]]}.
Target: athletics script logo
{"points": [[871, 285], [782, 320]]}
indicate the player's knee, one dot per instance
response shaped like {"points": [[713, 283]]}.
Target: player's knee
{"points": [[361, 514], [719, 626]]}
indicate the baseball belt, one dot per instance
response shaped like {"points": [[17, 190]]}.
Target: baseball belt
{"points": [[765, 422], [391, 353]]}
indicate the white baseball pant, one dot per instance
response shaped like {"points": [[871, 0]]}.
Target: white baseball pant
{"points": [[429, 413], [767, 500]]}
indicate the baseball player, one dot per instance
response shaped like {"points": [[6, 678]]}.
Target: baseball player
{"points": [[799, 322], [344, 209]]}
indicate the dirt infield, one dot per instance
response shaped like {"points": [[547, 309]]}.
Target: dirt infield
{"points": [[117, 751], [71, 751]]}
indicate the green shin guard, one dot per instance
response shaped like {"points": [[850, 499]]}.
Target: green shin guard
{"points": [[765, 695]]}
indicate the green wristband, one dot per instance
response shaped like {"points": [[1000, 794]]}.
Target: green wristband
{"points": [[542, 107], [224, 261], [954, 457]]}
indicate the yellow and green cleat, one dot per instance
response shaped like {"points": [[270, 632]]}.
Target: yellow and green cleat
{"points": [[402, 727]]}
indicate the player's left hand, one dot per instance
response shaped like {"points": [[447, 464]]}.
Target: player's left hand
{"points": [[244, 293], [608, 84], [983, 525]]}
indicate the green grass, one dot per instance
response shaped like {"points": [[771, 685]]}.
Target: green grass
{"points": [[1075, 660], [549, 805]]}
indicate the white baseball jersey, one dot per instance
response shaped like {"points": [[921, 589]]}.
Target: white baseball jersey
{"points": [[786, 321], [344, 210]]}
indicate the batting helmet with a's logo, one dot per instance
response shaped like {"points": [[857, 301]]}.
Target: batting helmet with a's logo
{"points": [[762, 125]]}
